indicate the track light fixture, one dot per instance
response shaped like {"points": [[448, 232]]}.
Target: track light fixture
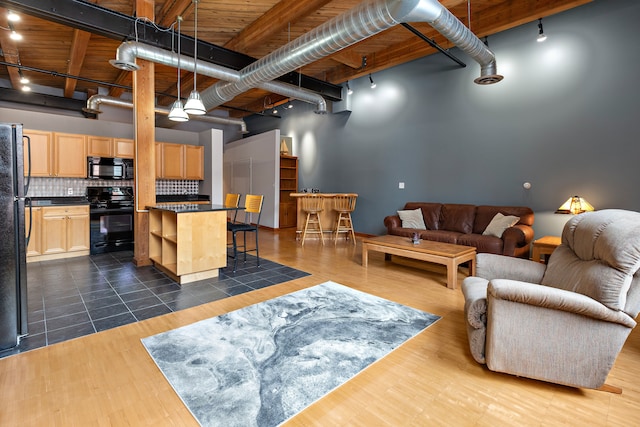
{"points": [[194, 104], [373, 84], [23, 79], [14, 34], [349, 90], [12, 16], [177, 113], [541, 35]]}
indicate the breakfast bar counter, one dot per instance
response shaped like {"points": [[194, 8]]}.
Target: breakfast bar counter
{"points": [[328, 216], [188, 241]]}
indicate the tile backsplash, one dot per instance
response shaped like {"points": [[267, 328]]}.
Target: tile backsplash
{"points": [[59, 187]]}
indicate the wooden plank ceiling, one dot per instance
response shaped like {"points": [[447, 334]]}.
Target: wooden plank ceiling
{"points": [[53, 54]]}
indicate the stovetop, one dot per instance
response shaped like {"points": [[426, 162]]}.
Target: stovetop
{"points": [[110, 197]]}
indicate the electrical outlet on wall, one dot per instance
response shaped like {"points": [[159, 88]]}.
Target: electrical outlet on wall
{"points": [[401, 185], [69, 191]]}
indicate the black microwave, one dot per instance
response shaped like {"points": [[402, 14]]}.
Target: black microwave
{"points": [[109, 168]]}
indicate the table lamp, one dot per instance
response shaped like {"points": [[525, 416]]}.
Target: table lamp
{"points": [[575, 205]]}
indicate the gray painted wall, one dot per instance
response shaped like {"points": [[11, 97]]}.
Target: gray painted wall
{"points": [[564, 119]]}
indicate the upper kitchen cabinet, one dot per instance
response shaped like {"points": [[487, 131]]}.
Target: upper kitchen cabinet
{"points": [[38, 158], [194, 162], [103, 146], [123, 148], [179, 161], [69, 155], [56, 155], [100, 146]]}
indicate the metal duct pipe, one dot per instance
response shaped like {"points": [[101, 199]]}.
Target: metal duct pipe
{"points": [[93, 104], [359, 23], [127, 53]]}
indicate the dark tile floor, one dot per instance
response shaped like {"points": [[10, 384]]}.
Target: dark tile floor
{"points": [[79, 296]]}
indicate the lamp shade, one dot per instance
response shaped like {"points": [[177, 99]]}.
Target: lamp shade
{"points": [[177, 113], [575, 205], [194, 104]]}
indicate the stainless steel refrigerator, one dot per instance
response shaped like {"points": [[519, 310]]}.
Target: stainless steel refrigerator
{"points": [[13, 245]]}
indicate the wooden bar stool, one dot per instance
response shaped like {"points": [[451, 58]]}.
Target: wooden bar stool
{"points": [[344, 204], [312, 205]]}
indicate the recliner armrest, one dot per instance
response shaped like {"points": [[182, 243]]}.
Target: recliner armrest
{"points": [[554, 299], [491, 266]]}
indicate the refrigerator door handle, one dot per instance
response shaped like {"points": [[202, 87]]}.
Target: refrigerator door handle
{"points": [[27, 202], [26, 186]]}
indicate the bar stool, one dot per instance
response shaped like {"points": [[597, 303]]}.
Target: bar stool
{"points": [[253, 205], [312, 205], [344, 204], [232, 200]]}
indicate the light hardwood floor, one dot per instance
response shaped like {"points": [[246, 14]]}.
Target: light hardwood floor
{"points": [[108, 379]]}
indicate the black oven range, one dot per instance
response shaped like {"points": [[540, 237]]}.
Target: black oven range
{"points": [[111, 218]]}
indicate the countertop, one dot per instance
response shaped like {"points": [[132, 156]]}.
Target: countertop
{"points": [[58, 201], [190, 207], [177, 198]]}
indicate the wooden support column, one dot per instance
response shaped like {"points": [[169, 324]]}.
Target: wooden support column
{"points": [[145, 157]]}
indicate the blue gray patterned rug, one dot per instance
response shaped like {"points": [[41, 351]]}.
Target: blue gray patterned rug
{"points": [[262, 364]]}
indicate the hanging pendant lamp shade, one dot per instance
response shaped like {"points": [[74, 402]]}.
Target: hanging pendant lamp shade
{"points": [[177, 113], [194, 103]]}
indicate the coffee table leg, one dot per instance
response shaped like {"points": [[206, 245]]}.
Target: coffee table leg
{"points": [[452, 273]]}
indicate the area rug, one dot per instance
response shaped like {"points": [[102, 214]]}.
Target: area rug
{"points": [[262, 364]]}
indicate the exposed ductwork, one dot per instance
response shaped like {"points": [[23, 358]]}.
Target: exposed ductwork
{"points": [[363, 21], [93, 106], [128, 52]]}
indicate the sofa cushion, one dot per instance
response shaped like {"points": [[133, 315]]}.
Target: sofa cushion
{"points": [[485, 213], [430, 213], [599, 254], [412, 219], [457, 218], [441, 236], [483, 244], [499, 223]]}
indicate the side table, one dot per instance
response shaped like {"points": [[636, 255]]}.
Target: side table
{"points": [[544, 246]]}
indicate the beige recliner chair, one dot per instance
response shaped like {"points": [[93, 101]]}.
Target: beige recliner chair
{"points": [[564, 322]]}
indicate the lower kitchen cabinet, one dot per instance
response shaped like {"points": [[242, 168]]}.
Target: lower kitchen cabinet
{"points": [[63, 233]]}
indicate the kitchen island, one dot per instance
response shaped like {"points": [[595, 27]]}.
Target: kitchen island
{"points": [[188, 241]]}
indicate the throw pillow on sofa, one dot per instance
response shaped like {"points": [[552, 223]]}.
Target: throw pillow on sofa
{"points": [[412, 219], [499, 223]]}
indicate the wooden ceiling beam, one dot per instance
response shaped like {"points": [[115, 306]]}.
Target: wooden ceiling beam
{"points": [[274, 21], [77, 53]]}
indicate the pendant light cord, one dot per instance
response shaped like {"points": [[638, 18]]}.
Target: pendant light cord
{"points": [[195, 47]]}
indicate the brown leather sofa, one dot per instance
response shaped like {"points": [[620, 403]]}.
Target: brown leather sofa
{"points": [[464, 224]]}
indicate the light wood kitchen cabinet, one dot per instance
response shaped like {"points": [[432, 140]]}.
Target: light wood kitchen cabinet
{"points": [[123, 148], [35, 216], [194, 162], [173, 161], [100, 146], [65, 230], [56, 154], [179, 161], [103, 146], [41, 153]]}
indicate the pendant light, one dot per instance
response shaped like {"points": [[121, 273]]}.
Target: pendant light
{"points": [[177, 113], [194, 104]]}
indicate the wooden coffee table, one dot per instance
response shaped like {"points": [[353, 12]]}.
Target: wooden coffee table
{"points": [[449, 255]]}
